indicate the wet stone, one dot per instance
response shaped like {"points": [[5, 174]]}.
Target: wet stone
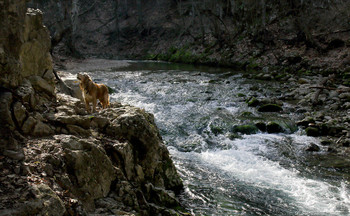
{"points": [[312, 147], [312, 131], [326, 142], [261, 126], [273, 127], [245, 129], [253, 102], [270, 108]]}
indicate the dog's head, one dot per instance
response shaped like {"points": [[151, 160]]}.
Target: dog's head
{"points": [[83, 78]]}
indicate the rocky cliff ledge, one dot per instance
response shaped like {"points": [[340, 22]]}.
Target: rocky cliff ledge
{"points": [[55, 159]]}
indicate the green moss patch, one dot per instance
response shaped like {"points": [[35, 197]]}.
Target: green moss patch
{"points": [[245, 129]]}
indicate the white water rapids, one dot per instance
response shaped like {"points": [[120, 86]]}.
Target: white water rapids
{"points": [[259, 174]]}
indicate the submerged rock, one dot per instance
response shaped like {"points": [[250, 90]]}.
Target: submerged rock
{"points": [[261, 126], [312, 147], [270, 108], [245, 129], [253, 102], [273, 127], [312, 131]]}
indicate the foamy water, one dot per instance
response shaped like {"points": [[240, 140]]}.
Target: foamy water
{"points": [[260, 174]]}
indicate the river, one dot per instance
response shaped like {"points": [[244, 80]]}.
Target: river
{"points": [[196, 108]]}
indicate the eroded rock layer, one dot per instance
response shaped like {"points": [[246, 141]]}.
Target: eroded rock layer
{"points": [[57, 160]]}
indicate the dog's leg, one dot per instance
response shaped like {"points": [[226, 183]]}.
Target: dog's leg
{"points": [[94, 102], [104, 103], [87, 106]]}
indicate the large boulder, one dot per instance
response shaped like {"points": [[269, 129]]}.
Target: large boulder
{"points": [[139, 129], [89, 168]]}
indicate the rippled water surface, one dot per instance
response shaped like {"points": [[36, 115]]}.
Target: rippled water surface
{"points": [[260, 174]]}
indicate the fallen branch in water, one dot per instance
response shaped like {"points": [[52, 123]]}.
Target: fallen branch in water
{"points": [[339, 139]]}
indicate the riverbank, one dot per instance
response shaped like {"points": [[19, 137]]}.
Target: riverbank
{"points": [[69, 162], [293, 36], [233, 156], [321, 102]]}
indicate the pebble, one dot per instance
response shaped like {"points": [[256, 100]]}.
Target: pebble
{"points": [[347, 105], [328, 118], [303, 81], [333, 94], [344, 96]]}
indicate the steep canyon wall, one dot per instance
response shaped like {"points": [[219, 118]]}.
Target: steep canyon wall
{"points": [[297, 33]]}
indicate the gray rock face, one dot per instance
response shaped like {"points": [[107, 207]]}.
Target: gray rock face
{"points": [[25, 63], [25, 43], [119, 156], [55, 159], [113, 156], [89, 168]]}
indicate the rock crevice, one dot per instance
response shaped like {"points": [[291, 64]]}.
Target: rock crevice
{"points": [[55, 159]]}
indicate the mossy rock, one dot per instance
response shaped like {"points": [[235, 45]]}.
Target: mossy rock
{"points": [[261, 126], [233, 136], [245, 129], [253, 102], [247, 114], [270, 108], [216, 129], [274, 127], [312, 131]]}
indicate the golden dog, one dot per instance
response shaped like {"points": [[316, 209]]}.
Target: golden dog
{"points": [[92, 92]]}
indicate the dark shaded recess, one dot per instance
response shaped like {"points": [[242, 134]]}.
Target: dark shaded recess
{"points": [[336, 43], [140, 150]]}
